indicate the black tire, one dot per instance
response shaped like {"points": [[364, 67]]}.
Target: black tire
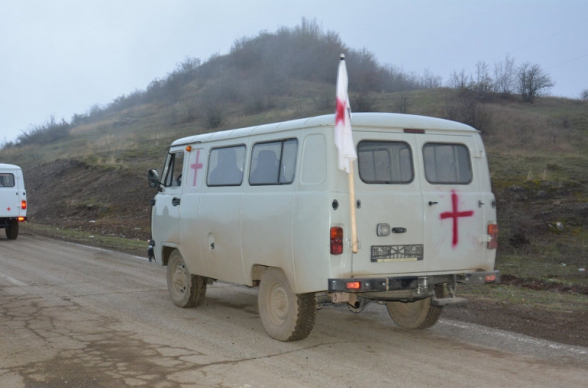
{"points": [[420, 314], [12, 230], [186, 290], [285, 316]]}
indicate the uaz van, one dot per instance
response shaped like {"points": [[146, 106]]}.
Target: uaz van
{"points": [[267, 206], [13, 199]]}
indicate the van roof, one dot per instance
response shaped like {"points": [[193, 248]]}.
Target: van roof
{"points": [[373, 120], [4, 166]]}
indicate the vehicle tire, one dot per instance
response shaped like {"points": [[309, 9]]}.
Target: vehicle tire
{"points": [[12, 230], [285, 316], [419, 314], [186, 290]]}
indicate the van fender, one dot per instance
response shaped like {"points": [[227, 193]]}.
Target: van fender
{"points": [[257, 271], [166, 251]]}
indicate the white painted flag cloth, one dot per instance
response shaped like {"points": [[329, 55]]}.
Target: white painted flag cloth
{"points": [[343, 134]]}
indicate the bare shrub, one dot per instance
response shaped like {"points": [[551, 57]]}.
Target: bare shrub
{"points": [[459, 80], [584, 94], [483, 83], [402, 103], [5, 145], [326, 100], [363, 102], [48, 132], [532, 81], [259, 97], [465, 107], [429, 80], [213, 115]]}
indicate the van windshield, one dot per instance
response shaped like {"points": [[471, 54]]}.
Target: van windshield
{"points": [[6, 180], [385, 162]]}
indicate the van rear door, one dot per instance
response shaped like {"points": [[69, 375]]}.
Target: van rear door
{"points": [[454, 216], [390, 205]]}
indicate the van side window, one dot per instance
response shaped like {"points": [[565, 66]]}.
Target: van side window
{"points": [[6, 180], [225, 166], [447, 163], [273, 163], [174, 169], [385, 162]]}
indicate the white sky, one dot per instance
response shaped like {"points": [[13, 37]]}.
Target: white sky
{"points": [[60, 57]]}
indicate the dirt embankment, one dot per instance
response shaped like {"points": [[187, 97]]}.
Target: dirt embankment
{"points": [[107, 201]]}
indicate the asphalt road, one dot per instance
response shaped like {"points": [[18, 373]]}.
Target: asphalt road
{"points": [[75, 316]]}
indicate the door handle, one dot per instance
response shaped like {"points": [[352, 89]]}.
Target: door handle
{"points": [[431, 203], [175, 201], [398, 230]]}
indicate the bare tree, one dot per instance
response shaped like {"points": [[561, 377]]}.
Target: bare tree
{"points": [[464, 106], [483, 84], [459, 80], [504, 76], [584, 94], [430, 81], [363, 102], [402, 103], [532, 81]]}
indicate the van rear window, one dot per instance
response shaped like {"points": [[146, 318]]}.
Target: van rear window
{"points": [[6, 180], [273, 163], [385, 162], [447, 163]]}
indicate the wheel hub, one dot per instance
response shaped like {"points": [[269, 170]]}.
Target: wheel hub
{"points": [[179, 279], [279, 304]]}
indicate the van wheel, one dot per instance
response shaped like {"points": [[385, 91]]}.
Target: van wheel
{"points": [[186, 290], [12, 230], [419, 314], [285, 316]]}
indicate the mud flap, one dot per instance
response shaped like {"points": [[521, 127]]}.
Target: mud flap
{"points": [[440, 302]]}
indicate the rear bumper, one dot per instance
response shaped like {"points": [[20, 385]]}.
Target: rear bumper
{"points": [[6, 221], [409, 282]]}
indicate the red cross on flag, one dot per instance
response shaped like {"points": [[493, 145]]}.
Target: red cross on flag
{"points": [[343, 134]]}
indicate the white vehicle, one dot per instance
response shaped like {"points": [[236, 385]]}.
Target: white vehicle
{"points": [[13, 199], [267, 206]]}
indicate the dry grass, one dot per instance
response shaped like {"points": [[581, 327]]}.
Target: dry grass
{"points": [[515, 130]]}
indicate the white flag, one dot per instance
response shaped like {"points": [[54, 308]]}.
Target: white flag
{"points": [[343, 134]]}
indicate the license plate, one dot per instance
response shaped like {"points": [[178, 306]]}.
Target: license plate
{"points": [[383, 253]]}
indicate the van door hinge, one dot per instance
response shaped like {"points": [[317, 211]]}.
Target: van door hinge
{"points": [[484, 238], [350, 244]]}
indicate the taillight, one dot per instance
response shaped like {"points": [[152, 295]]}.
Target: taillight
{"points": [[336, 240], [493, 233], [20, 219], [353, 285], [23, 204]]}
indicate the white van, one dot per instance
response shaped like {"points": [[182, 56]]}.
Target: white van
{"points": [[267, 206], [13, 199]]}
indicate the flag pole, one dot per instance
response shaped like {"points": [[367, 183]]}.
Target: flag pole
{"points": [[345, 145]]}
